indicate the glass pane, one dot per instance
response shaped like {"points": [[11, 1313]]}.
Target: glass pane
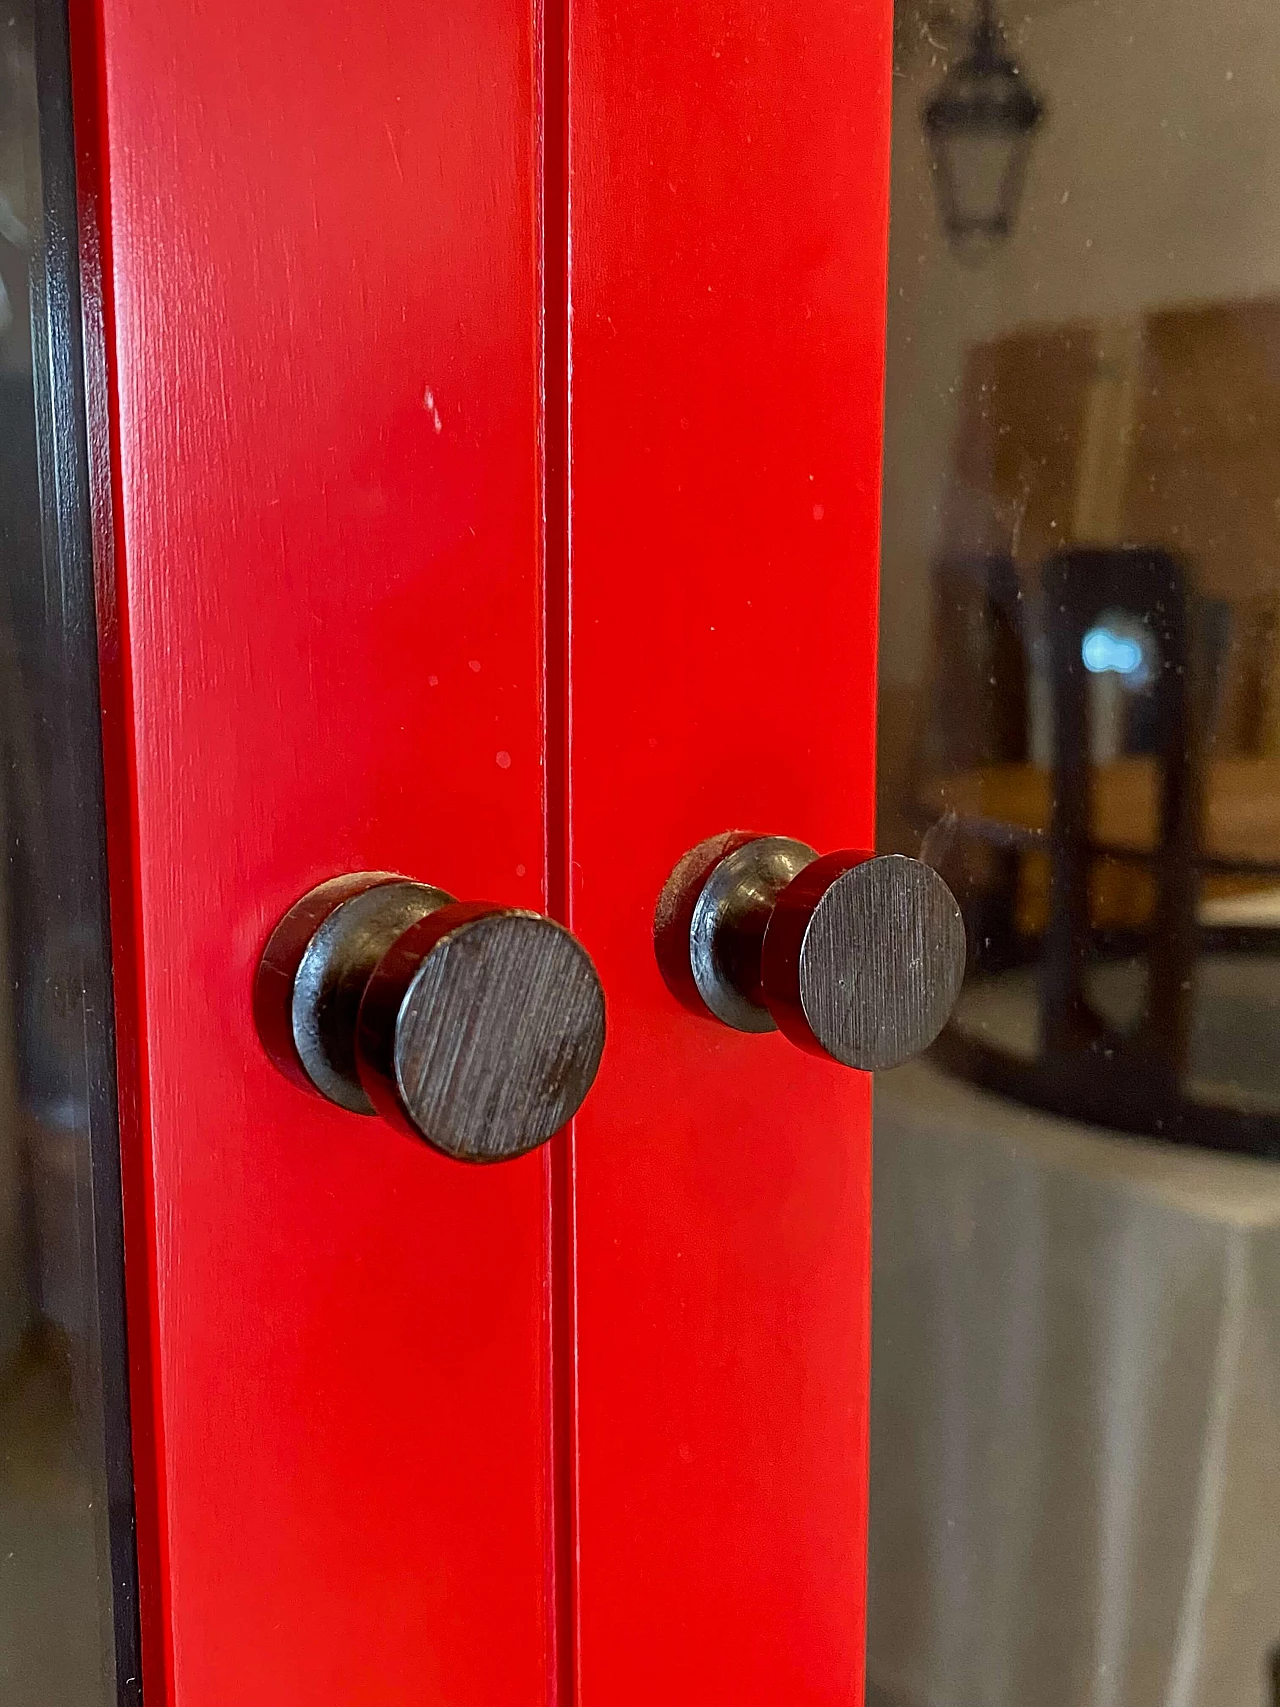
{"points": [[1076, 1370], [66, 1637]]}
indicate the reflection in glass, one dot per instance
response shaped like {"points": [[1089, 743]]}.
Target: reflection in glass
{"points": [[1076, 1373], [66, 1635], [980, 122]]}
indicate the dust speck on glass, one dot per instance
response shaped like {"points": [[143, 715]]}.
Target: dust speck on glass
{"points": [[1076, 1366], [67, 1606]]}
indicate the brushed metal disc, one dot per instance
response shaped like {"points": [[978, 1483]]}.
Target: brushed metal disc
{"points": [[881, 962], [499, 1036]]}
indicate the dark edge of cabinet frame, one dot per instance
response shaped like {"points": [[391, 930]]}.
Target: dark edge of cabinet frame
{"points": [[58, 335]]}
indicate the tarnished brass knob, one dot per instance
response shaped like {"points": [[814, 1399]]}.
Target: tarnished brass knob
{"points": [[851, 955], [476, 1027]]}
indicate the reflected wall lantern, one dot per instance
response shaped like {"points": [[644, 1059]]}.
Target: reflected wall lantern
{"points": [[979, 125]]}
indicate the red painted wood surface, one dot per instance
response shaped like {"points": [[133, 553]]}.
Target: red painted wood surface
{"points": [[321, 291], [321, 267], [728, 166]]}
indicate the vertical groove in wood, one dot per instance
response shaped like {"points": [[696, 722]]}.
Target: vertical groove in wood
{"points": [[557, 712]]}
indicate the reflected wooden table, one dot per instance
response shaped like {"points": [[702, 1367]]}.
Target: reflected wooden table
{"points": [[1124, 1065], [1240, 822]]}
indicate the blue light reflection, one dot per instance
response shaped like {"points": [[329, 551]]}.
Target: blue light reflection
{"points": [[1102, 649]]}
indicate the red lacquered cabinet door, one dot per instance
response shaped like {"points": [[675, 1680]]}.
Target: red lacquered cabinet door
{"points": [[323, 345], [488, 491], [727, 181]]}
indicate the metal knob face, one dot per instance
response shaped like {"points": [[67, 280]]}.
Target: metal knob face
{"points": [[476, 1027], [853, 956]]}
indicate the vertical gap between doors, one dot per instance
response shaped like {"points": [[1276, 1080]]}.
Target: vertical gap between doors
{"points": [[552, 38]]}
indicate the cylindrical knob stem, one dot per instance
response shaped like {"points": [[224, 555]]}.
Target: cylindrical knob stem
{"points": [[314, 970], [476, 1027], [853, 956]]}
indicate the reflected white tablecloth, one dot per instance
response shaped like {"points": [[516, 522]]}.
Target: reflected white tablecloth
{"points": [[1075, 1412]]}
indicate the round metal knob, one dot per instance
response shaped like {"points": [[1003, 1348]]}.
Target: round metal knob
{"points": [[853, 956], [476, 1027]]}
